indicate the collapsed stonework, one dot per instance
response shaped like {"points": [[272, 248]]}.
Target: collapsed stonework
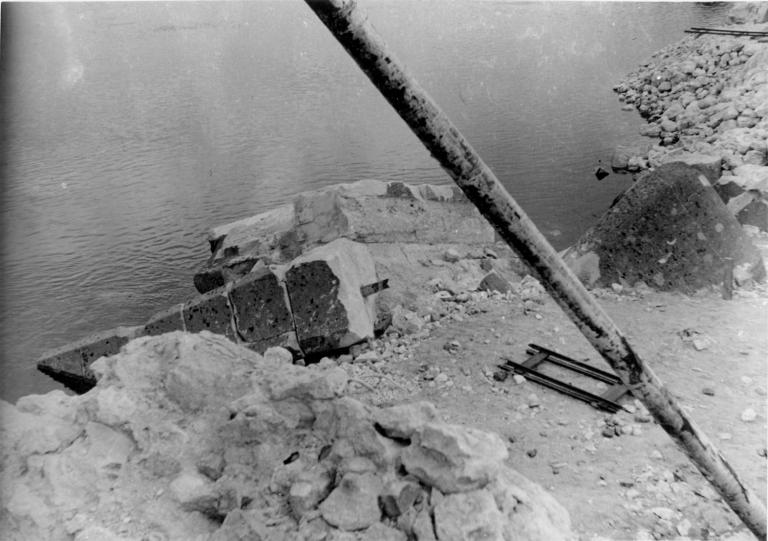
{"points": [[193, 437], [368, 211]]}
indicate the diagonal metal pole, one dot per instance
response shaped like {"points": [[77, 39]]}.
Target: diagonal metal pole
{"points": [[351, 28]]}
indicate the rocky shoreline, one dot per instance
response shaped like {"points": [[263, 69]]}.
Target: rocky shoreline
{"points": [[190, 436], [705, 99]]}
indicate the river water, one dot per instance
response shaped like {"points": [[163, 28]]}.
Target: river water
{"points": [[128, 129]]}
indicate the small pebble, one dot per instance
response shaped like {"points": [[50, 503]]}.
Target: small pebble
{"points": [[533, 401], [655, 454], [531, 452], [748, 415], [608, 432], [724, 435], [519, 379], [709, 391]]}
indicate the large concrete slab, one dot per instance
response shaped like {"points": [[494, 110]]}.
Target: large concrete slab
{"points": [[670, 230]]}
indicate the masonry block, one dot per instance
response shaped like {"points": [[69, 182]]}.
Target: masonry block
{"points": [[70, 364], [260, 304], [329, 310], [209, 312]]}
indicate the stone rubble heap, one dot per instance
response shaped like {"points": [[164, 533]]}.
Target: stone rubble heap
{"points": [[193, 437], [706, 102]]}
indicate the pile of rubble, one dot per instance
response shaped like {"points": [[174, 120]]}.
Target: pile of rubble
{"points": [[195, 437], [706, 102]]}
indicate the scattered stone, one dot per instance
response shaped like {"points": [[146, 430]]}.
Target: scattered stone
{"points": [[368, 356], [493, 281], [468, 515], [500, 375], [664, 513], [453, 459], [748, 415], [353, 504], [451, 255]]}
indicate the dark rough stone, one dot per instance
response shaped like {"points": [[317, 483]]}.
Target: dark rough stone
{"points": [[755, 213], [319, 316], [728, 190], [495, 282], [286, 340], [670, 230], [166, 321], [209, 278], [260, 305], [209, 312], [70, 364], [212, 276]]}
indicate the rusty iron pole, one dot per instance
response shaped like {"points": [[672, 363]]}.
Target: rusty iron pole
{"points": [[351, 28]]}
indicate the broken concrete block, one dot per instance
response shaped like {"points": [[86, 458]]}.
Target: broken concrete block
{"points": [[259, 302], [670, 230], [329, 310], [209, 312], [166, 321], [70, 364]]}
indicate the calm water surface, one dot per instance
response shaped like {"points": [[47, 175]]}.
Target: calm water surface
{"points": [[130, 128]]}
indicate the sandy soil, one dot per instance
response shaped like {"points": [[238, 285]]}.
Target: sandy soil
{"points": [[633, 486]]}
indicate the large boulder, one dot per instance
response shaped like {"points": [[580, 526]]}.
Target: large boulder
{"points": [[367, 211], [670, 230], [191, 436]]}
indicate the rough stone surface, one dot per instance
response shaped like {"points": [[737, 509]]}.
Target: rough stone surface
{"points": [[493, 281], [166, 321], [669, 230], [368, 211], [209, 312], [191, 436], [708, 165], [353, 504], [71, 363], [467, 516], [324, 287], [260, 305], [453, 459]]}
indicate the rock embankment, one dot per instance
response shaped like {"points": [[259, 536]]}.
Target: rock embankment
{"points": [[194, 437], [706, 102]]}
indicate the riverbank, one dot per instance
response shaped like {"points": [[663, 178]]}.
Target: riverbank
{"points": [[705, 99], [168, 448]]}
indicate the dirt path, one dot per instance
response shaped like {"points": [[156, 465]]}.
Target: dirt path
{"points": [[634, 486]]}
